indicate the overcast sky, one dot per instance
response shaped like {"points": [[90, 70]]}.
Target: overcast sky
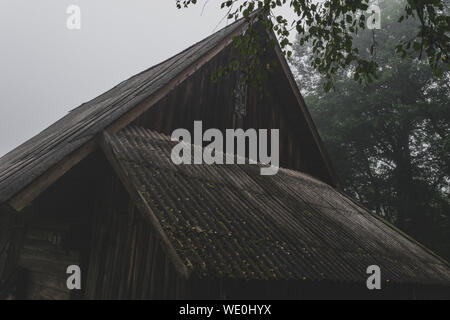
{"points": [[47, 69]]}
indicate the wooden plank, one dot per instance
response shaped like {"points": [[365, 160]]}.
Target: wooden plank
{"points": [[41, 292]]}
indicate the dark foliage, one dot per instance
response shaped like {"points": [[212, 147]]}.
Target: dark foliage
{"points": [[390, 140]]}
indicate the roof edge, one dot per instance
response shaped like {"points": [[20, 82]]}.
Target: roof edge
{"points": [[301, 102], [393, 227], [147, 213]]}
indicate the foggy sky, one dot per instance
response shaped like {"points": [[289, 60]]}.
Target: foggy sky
{"points": [[47, 70]]}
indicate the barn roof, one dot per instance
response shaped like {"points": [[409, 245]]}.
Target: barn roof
{"points": [[28, 170], [228, 221], [33, 158]]}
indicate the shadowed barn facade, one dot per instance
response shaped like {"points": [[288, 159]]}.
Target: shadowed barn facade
{"points": [[98, 189]]}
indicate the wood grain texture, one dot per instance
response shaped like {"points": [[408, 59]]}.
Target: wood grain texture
{"points": [[129, 260]]}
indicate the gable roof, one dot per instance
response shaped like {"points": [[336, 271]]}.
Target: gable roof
{"points": [[48, 149], [29, 169], [228, 221]]}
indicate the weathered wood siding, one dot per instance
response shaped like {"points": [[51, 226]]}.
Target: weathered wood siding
{"points": [[12, 231], [55, 232], [127, 260], [46, 258]]}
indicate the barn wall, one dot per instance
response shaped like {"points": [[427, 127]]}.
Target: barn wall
{"points": [[85, 219], [45, 257], [12, 231], [127, 260], [200, 98], [54, 233]]}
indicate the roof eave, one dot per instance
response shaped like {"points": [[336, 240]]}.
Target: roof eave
{"points": [[23, 198]]}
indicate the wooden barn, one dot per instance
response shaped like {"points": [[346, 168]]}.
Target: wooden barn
{"points": [[98, 189]]}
